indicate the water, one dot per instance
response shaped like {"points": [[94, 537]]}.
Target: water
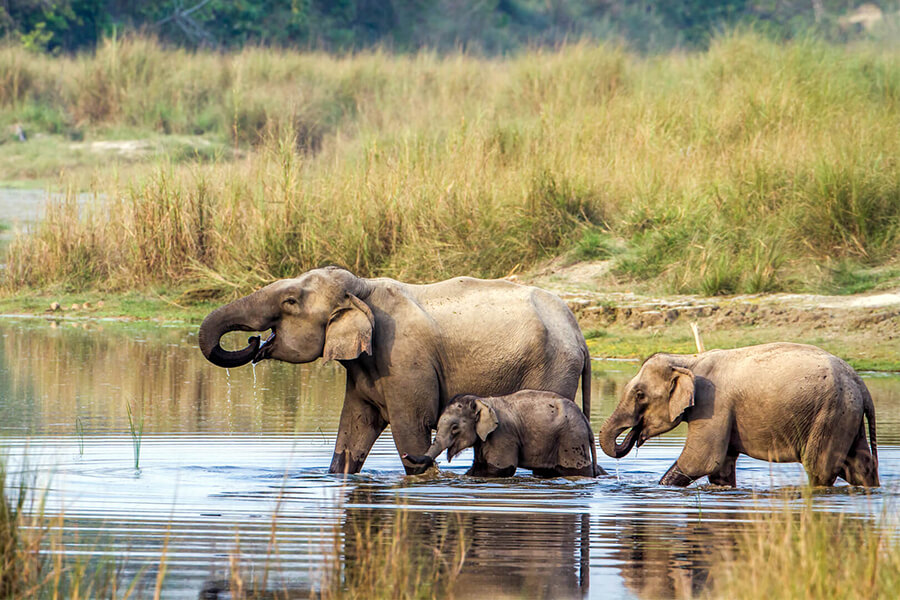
{"points": [[233, 475]]}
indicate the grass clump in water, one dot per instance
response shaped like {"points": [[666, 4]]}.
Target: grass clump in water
{"points": [[806, 553], [386, 560]]}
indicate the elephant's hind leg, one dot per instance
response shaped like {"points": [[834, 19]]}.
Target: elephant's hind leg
{"points": [[826, 447], [725, 476], [859, 467]]}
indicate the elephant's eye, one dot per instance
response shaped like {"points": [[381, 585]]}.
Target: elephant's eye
{"points": [[454, 430], [290, 301], [638, 394]]}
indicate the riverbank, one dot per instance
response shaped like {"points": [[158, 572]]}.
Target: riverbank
{"points": [[864, 329]]}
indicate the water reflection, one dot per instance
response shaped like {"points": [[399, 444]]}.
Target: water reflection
{"points": [[53, 374], [225, 455], [543, 554]]}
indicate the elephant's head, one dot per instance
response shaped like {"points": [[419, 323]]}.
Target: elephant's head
{"points": [[319, 314], [653, 403], [464, 419]]}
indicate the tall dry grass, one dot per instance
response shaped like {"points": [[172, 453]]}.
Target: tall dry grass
{"points": [[800, 552], [749, 167]]}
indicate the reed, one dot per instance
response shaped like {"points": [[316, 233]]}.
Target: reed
{"points": [[137, 433], [753, 166]]}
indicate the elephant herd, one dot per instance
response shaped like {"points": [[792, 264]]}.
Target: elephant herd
{"points": [[495, 366]]}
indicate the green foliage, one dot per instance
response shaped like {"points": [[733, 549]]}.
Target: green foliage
{"points": [[848, 276], [594, 244], [495, 27]]}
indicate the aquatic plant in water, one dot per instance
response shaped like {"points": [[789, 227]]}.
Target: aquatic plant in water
{"points": [[137, 431]]}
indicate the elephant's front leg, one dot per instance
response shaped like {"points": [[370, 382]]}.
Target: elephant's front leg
{"points": [[360, 426], [411, 422], [705, 452], [676, 477]]}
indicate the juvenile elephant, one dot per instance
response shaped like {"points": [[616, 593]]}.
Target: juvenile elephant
{"points": [[408, 349], [777, 402], [541, 431]]}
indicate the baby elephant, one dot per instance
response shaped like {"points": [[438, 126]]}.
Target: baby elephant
{"points": [[541, 431], [776, 402]]}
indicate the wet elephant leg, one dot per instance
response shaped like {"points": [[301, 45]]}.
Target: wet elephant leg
{"points": [[360, 426], [859, 468], [726, 474], [676, 477], [411, 424]]}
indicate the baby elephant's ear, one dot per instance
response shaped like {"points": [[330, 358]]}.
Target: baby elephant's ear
{"points": [[349, 330], [681, 392], [485, 420]]}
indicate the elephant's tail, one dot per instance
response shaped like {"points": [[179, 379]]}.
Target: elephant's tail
{"points": [[586, 386], [598, 470], [869, 411]]}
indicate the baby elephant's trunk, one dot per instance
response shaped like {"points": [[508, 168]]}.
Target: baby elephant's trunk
{"points": [[427, 458]]}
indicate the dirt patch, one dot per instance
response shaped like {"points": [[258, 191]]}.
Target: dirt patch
{"points": [[580, 286]]}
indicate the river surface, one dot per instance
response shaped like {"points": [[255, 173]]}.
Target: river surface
{"points": [[232, 479]]}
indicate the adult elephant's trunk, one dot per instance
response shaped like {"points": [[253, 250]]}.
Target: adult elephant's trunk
{"points": [[618, 422], [241, 315]]}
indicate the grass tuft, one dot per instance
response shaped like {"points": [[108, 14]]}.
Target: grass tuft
{"points": [[805, 553]]}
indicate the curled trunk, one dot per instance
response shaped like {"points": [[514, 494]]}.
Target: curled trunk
{"points": [[240, 315], [618, 422]]}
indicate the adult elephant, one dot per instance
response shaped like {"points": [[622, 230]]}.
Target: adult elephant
{"points": [[408, 349]]}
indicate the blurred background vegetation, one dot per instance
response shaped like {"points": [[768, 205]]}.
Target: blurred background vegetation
{"points": [[485, 26]]}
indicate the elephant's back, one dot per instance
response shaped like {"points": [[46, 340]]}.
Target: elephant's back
{"points": [[554, 431], [786, 390], [498, 337]]}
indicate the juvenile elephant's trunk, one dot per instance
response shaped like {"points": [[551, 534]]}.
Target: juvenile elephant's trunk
{"points": [[618, 422], [427, 459], [240, 315]]}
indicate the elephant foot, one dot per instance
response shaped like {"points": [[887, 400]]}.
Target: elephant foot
{"points": [[343, 462], [417, 464], [675, 477]]}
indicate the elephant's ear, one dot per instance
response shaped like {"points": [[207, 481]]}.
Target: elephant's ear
{"points": [[485, 419], [681, 392], [349, 330]]}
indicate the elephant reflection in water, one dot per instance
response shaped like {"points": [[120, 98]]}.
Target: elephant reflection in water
{"points": [[662, 560], [546, 555]]}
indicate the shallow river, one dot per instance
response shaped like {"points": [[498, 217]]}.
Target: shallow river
{"points": [[232, 474]]}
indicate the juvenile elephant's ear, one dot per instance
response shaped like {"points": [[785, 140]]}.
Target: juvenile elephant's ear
{"points": [[349, 330], [681, 392], [485, 420]]}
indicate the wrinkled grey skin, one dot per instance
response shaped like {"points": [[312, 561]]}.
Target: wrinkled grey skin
{"points": [[776, 402], [408, 349], [541, 431]]}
